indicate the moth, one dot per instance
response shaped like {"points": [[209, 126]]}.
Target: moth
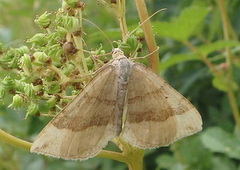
{"points": [[124, 99]]}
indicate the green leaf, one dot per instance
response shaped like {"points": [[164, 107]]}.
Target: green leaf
{"points": [[219, 83], [184, 26], [192, 153], [165, 161], [222, 163], [206, 49], [218, 140], [175, 59], [222, 83]]}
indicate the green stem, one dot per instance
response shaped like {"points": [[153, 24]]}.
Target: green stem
{"points": [[80, 60], [234, 106], [80, 56], [227, 31], [148, 34], [132, 155], [27, 145], [14, 141], [112, 155], [120, 12], [136, 159], [64, 78]]}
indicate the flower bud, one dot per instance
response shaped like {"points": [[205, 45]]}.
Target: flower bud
{"points": [[43, 21], [70, 23], [2, 92], [8, 83], [71, 3], [51, 102], [28, 90], [41, 58], [17, 101], [26, 63], [32, 109], [139, 32], [89, 62], [21, 50], [1, 48], [53, 88], [55, 53], [62, 31], [38, 39]]}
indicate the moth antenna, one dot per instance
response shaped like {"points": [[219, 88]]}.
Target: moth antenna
{"points": [[110, 42], [146, 20], [99, 55], [146, 55], [131, 32]]}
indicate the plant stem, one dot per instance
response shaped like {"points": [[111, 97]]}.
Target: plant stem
{"points": [[204, 59], [112, 155], [80, 60], [120, 14], [133, 155], [64, 78], [27, 145], [122, 19], [136, 159], [234, 106], [226, 32], [148, 34], [14, 141]]}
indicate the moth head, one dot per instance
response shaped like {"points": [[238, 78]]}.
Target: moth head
{"points": [[116, 52]]}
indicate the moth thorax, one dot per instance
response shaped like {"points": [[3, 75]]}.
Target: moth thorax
{"points": [[116, 52]]}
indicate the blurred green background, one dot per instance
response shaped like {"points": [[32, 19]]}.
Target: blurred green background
{"points": [[196, 22]]}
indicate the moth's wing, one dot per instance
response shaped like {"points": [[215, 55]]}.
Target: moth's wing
{"points": [[157, 114], [86, 124]]}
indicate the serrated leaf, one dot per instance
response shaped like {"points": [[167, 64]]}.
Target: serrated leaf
{"points": [[182, 27], [218, 140]]}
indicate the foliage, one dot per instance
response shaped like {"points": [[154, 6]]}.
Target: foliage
{"points": [[199, 56]]}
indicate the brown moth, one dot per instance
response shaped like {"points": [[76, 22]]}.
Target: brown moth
{"points": [[124, 99]]}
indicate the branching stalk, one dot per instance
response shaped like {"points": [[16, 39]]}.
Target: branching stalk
{"points": [[120, 11], [203, 58], [226, 32], [148, 34], [6, 137]]}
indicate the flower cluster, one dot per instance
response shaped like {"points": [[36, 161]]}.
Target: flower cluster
{"points": [[52, 68], [47, 74]]}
